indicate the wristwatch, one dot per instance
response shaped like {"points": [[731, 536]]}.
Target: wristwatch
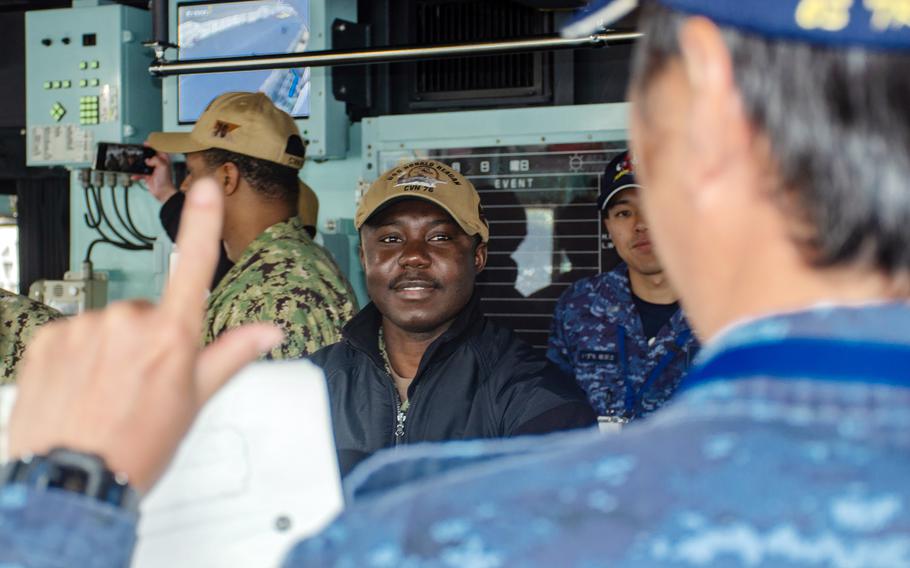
{"points": [[76, 472]]}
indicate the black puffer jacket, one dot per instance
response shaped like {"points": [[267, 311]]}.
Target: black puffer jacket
{"points": [[478, 380]]}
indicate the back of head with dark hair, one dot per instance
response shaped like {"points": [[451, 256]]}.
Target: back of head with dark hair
{"points": [[838, 121], [268, 179]]}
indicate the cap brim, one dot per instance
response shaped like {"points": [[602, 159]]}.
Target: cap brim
{"points": [[616, 191], [175, 143], [382, 205]]}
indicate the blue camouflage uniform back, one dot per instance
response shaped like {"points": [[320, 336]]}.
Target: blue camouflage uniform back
{"points": [[597, 337], [808, 469]]}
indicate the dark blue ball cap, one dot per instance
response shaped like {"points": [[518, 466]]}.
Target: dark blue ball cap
{"points": [[871, 24], [619, 176]]}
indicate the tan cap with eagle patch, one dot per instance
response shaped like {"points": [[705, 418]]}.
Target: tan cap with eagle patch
{"points": [[244, 123], [432, 181]]}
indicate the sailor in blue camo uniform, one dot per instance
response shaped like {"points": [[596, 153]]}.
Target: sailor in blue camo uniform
{"points": [[774, 142], [621, 334], [788, 444]]}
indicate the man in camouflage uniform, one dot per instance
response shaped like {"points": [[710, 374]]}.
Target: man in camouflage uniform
{"points": [[621, 334], [288, 280], [254, 151], [21, 317]]}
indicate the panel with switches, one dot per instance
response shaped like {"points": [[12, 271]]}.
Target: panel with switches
{"points": [[87, 82]]}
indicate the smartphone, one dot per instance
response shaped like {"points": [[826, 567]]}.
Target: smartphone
{"points": [[123, 158]]}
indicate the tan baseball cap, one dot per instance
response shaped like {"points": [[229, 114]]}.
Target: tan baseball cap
{"points": [[434, 182], [244, 123]]}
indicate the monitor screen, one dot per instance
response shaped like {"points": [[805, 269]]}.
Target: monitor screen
{"points": [[238, 29]]}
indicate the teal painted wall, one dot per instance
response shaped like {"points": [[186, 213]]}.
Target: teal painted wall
{"points": [[336, 183]]}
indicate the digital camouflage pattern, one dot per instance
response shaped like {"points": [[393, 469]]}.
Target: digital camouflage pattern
{"points": [[759, 472], [59, 529], [284, 278], [21, 318], [584, 342]]}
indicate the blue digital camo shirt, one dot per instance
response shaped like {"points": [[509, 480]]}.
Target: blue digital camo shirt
{"points": [[597, 337], [761, 471]]}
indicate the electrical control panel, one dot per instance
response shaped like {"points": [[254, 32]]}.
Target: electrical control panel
{"points": [[87, 81]]}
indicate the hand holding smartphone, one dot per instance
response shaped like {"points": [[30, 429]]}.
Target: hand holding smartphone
{"points": [[123, 158]]}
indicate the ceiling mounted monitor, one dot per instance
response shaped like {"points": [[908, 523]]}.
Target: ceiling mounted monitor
{"points": [[239, 29]]}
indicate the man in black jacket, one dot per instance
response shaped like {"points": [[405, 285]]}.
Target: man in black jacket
{"points": [[421, 362]]}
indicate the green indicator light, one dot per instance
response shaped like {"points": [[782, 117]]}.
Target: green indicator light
{"points": [[57, 111]]}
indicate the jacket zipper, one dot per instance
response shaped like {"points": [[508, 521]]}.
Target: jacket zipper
{"points": [[400, 417], [400, 411]]}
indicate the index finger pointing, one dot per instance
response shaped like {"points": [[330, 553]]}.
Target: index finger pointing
{"points": [[198, 244]]}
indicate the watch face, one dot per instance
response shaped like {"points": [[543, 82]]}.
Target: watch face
{"points": [[70, 479]]}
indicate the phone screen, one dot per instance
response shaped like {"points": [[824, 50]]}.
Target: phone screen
{"points": [[123, 158]]}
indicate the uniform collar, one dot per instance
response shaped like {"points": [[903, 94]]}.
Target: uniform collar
{"points": [[292, 228], [883, 321], [619, 298], [730, 381], [618, 294]]}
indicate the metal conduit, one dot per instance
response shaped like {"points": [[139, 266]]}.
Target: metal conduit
{"points": [[164, 68]]}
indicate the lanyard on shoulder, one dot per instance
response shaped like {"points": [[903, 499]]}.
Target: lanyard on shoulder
{"points": [[809, 358], [634, 397]]}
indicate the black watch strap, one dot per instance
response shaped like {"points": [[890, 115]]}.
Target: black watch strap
{"points": [[76, 472]]}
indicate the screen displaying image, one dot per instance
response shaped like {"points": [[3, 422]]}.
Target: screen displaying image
{"points": [[125, 158], [238, 29]]}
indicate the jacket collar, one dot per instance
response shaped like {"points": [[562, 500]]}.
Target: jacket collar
{"points": [[362, 333]]}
